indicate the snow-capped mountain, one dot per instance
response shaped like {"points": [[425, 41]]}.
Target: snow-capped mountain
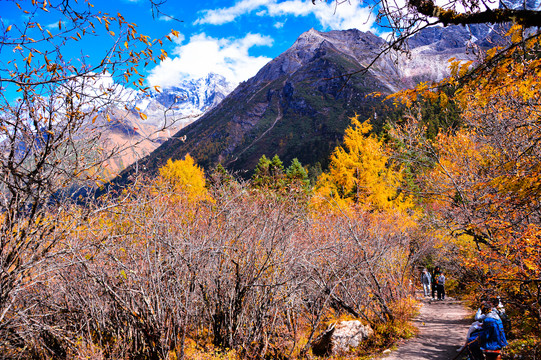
{"points": [[196, 95], [299, 104], [139, 122], [520, 4], [191, 98]]}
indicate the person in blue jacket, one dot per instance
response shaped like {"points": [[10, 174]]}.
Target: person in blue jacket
{"points": [[490, 339]]}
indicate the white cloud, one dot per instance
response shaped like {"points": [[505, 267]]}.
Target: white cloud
{"points": [[279, 24], [226, 15], [344, 16], [54, 26], [204, 54], [166, 18]]}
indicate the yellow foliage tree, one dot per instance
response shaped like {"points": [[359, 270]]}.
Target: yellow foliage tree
{"points": [[485, 184], [184, 177], [361, 173]]}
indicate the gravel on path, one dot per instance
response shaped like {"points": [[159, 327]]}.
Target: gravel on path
{"points": [[442, 329]]}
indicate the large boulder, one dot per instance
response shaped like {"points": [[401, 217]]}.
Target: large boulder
{"points": [[340, 337]]}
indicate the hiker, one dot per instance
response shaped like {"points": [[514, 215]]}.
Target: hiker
{"points": [[490, 339], [476, 326], [434, 277], [426, 280], [500, 310], [440, 286]]}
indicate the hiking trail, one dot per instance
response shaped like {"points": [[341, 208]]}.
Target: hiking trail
{"points": [[442, 329]]}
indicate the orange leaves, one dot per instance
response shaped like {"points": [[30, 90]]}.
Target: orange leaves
{"points": [[515, 33], [163, 55], [486, 179]]}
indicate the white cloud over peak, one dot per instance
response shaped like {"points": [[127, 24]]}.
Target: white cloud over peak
{"points": [[203, 54], [344, 16], [226, 15]]}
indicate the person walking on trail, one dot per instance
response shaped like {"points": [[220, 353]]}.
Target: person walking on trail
{"points": [[426, 280], [435, 274], [440, 286]]}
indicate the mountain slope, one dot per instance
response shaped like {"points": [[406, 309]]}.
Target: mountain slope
{"points": [[166, 113], [299, 104]]}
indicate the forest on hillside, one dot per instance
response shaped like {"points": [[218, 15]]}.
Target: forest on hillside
{"points": [[191, 264]]}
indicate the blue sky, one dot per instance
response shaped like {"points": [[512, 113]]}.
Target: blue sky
{"points": [[234, 38]]}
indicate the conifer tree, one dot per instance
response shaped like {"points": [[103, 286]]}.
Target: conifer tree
{"points": [[184, 176], [262, 174], [360, 172], [297, 175], [276, 167]]}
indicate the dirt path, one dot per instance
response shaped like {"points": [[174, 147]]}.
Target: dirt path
{"points": [[442, 329]]}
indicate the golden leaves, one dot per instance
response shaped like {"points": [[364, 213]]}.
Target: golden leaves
{"points": [[361, 172], [185, 177]]}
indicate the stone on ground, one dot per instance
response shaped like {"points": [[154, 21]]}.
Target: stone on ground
{"points": [[340, 337]]}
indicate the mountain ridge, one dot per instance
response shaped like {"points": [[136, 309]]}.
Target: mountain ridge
{"points": [[299, 104], [165, 113]]}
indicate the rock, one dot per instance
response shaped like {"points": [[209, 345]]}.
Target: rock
{"points": [[386, 352], [340, 337]]}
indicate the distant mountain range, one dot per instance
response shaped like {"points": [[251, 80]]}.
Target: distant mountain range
{"points": [[299, 104], [166, 112]]}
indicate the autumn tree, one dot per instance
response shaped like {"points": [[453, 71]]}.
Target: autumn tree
{"points": [[361, 172], [52, 110], [482, 182], [184, 176]]}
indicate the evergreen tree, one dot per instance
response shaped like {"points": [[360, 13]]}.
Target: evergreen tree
{"points": [[314, 172], [220, 176], [277, 173], [262, 173], [297, 176]]}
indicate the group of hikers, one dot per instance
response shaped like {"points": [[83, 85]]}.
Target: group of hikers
{"points": [[486, 336], [434, 283]]}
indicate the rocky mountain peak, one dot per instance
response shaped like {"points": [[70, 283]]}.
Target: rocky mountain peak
{"points": [[361, 46], [520, 4], [299, 104], [352, 41]]}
